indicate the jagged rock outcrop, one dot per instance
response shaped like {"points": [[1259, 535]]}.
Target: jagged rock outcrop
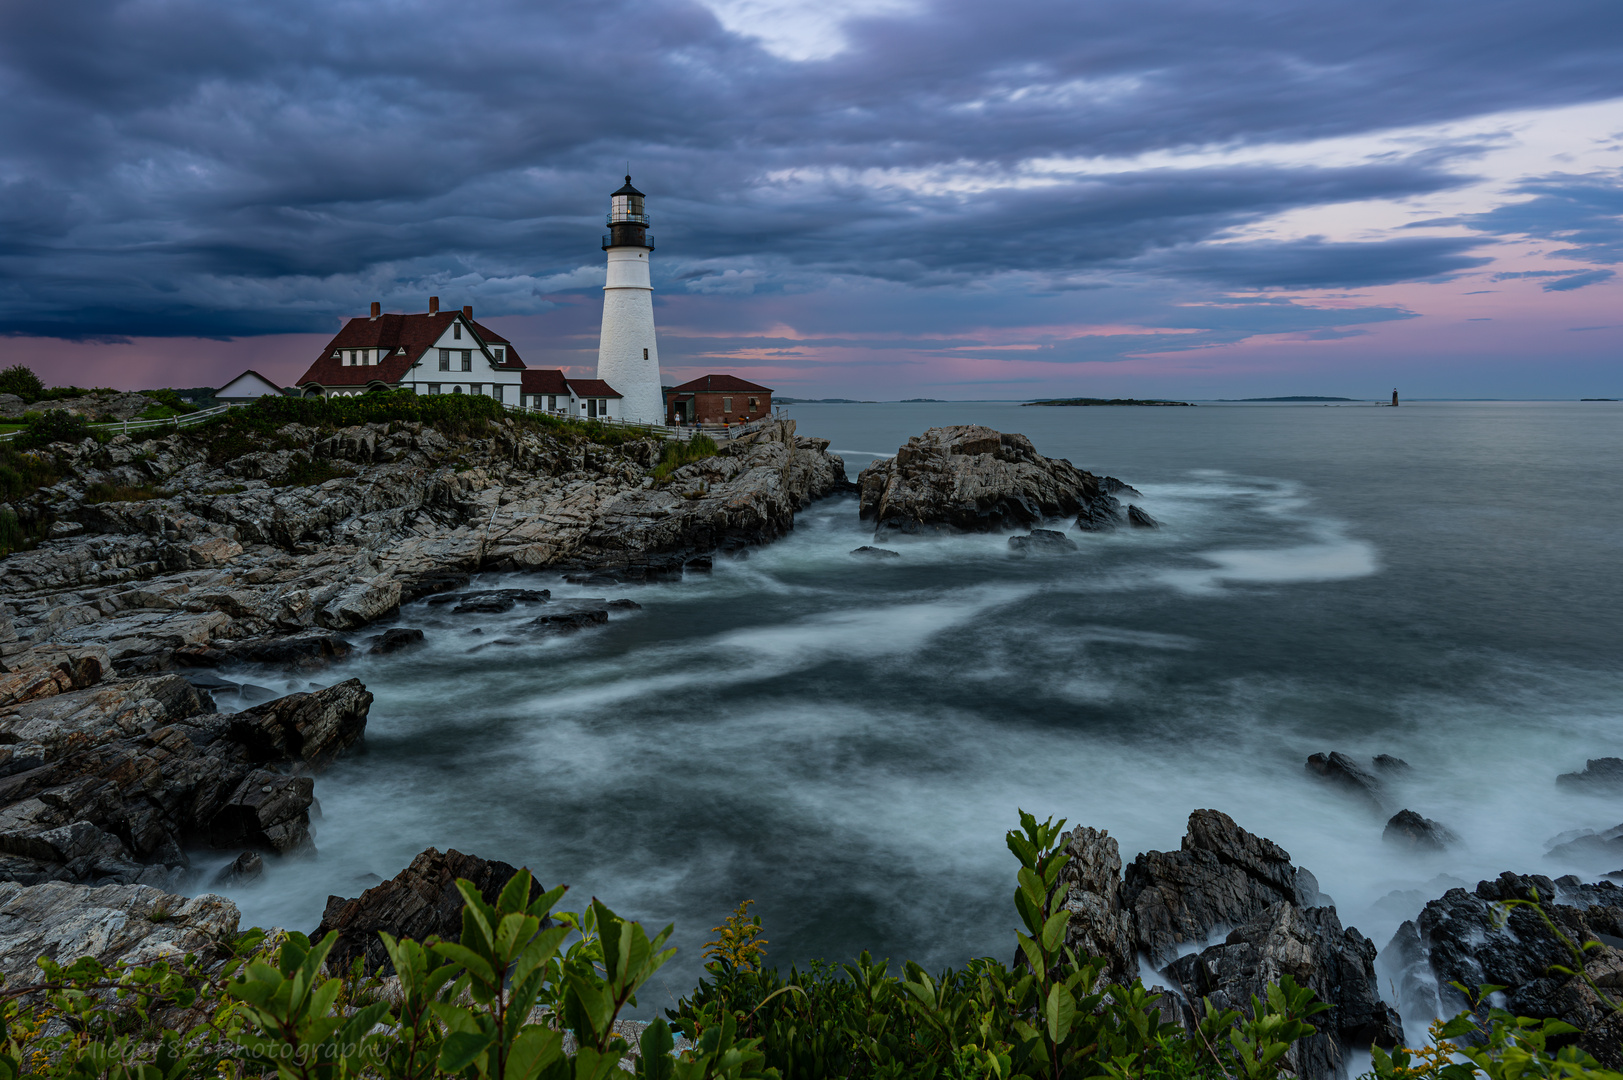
{"points": [[239, 553], [1350, 776], [107, 784], [1467, 937], [132, 924], [1227, 881], [420, 901], [972, 479], [1311, 946]]}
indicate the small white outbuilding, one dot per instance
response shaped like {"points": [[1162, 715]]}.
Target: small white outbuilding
{"points": [[249, 386]]}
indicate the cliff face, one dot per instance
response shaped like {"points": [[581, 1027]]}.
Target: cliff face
{"points": [[236, 547]]}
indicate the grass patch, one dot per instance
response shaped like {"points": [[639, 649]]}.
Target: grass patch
{"points": [[22, 473], [678, 454], [308, 472], [104, 492]]}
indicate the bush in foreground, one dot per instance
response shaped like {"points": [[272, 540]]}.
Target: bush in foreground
{"points": [[497, 1005]]}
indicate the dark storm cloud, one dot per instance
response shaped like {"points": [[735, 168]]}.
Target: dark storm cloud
{"points": [[200, 168]]}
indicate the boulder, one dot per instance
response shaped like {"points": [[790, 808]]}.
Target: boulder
{"points": [[1599, 775], [361, 603], [1387, 765], [971, 479], [132, 924], [1348, 775], [1588, 846], [623, 604], [313, 728], [1040, 542], [419, 902], [868, 551], [266, 810], [1100, 512], [1138, 519], [1411, 832]]}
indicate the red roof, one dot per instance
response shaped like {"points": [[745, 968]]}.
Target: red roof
{"points": [[415, 334], [543, 381], [720, 384], [593, 388]]}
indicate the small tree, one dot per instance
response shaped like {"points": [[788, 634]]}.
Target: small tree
{"points": [[20, 380]]}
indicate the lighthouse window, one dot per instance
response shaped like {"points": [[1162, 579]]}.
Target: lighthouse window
{"points": [[467, 359], [445, 359], [645, 354]]}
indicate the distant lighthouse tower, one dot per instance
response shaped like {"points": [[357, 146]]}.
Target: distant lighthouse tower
{"points": [[627, 355]]}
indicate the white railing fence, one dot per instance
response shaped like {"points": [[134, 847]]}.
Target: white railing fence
{"points": [[175, 423]]}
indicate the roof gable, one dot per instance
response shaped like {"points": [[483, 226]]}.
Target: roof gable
{"points": [[403, 340], [720, 384]]}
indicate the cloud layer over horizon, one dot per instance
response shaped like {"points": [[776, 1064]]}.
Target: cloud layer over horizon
{"points": [[973, 193]]}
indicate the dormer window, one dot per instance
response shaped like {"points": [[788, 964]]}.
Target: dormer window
{"points": [[501, 355], [456, 331]]}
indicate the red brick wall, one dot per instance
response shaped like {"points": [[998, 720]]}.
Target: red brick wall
{"points": [[708, 408]]}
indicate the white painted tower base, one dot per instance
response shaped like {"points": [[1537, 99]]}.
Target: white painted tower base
{"points": [[627, 355]]}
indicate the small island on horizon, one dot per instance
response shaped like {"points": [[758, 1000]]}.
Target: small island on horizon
{"points": [[1296, 397], [1106, 401]]}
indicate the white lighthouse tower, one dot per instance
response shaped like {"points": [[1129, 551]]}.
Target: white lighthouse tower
{"points": [[627, 355]]}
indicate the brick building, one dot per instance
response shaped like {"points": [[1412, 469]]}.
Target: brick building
{"points": [[717, 399]]}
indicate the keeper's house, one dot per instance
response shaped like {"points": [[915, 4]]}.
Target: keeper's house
{"points": [[717, 399], [590, 399], [441, 352]]}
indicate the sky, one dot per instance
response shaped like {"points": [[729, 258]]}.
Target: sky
{"points": [[878, 199]]}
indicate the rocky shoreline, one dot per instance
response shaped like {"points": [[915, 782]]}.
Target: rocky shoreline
{"points": [[115, 759]]}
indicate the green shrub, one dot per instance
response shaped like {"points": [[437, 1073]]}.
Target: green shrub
{"points": [[11, 531], [168, 399], [22, 473], [53, 425], [20, 379], [677, 454]]}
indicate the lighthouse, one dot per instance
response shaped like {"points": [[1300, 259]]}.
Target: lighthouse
{"points": [[627, 355]]}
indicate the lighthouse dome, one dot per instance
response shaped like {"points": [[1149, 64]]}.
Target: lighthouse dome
{"points": [[625, 205]]}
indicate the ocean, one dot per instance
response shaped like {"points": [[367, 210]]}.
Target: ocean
{"points": [[845, 741]]}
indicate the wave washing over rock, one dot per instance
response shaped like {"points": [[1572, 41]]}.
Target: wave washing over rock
{"points": [[116, 761]]}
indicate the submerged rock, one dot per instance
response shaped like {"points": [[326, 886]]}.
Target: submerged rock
{"points": [[1602, 848], [567, 622], [969, 478], [1350, 776], [1141, 520], [396, 638], [420, 901], [1598, 775], [1410, 831], [868, 551], [248, 866], [1041, 541]]}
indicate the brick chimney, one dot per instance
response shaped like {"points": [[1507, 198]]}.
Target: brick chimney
{"points": [[377, 309], [433, 305], [467, 312]]}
